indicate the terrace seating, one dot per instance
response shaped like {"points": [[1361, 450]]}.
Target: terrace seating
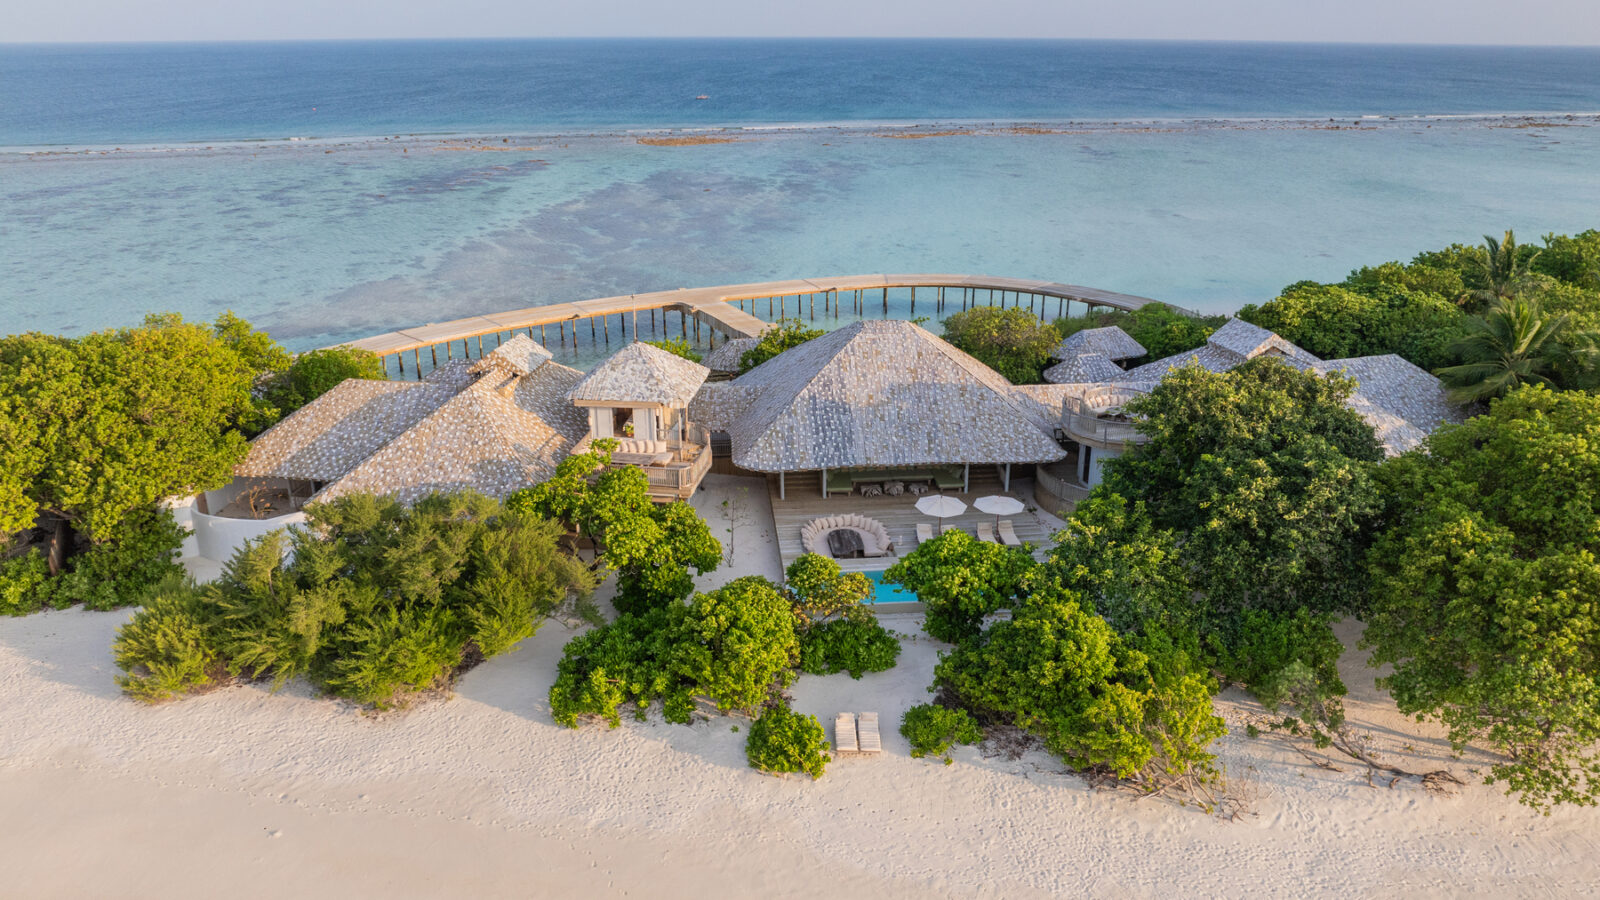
{"points": [[924, 532], [874, 537], [986, 533], [843, 481], [894, 488], [1008, 534]]}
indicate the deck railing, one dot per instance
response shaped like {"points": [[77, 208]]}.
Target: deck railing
{"points": [[1094, 417]]}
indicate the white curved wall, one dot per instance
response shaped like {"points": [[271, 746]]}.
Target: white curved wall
{"points": [[218, 538]]}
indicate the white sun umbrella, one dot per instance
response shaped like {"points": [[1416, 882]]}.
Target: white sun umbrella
{"points": [[998, 505], [940, 507]]}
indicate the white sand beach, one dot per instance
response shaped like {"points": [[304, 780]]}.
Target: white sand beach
{"points": [[249, 793]]}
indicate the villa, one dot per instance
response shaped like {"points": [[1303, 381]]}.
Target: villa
{"points": [[879, 412]]}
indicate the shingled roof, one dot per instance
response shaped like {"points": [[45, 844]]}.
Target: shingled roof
{"points": [[640, 373], [879, 393], [1083, 368], [328, 436], [726, 357], [502, 433], [1111, 342]]}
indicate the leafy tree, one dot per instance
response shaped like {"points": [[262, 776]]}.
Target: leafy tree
{"points": [[1483, 589], [316, 372], [1416, 278], [960, 580], [733, 646], [933, 730], [1272, 654], [1265, 477], [783, 741], [1571, 260], [785, 334], [677, 347], [373, 601], [25, 583], [1336, 322], [1502, 268], [1137, 707], [1118, 561], [1012, 341], [1160, 329], [1515, 343], [121, 572], [650, 546], [837, 630]]}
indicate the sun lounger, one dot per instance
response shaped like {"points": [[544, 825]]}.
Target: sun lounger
{"points": [[986, 533], [1008, 535], [844, 733], [867, 731], [924, 532]]}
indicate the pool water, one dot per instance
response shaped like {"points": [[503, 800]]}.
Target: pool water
{"points": [[888, 592]]}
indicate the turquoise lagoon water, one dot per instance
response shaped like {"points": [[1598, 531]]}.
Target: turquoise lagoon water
{"points": [[1232, 183]]}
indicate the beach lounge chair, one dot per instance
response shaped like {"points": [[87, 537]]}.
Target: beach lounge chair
{"points": [[924, 532], [986, 533], [1008, 535], [867, 732], [844, 733]]}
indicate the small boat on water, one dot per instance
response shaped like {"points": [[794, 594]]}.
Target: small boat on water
{"points": [[703, 97]]}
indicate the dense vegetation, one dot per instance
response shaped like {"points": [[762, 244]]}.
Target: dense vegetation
{"points": [[1487, 319], [1012, 341], [783, 741], [1160, 329], [933, 730], [838, 632], [314, 373], [372, 601], [785, 334], [677, 347], [96, 431]]}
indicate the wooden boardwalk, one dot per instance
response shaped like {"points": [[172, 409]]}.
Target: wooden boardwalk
{"points": [[898, 514], [714, 306]]}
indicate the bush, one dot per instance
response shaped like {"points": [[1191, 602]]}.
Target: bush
{"points": [[784, 741], [25, 584], [373, 602], [1160, 329], [785, 334], [677, 347], [1011, 341], [165, 650], [1267, 644], [856, 646], [316, 372], [932, 730], [960, 580], [123, 570]]}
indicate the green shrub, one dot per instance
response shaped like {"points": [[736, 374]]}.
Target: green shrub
{"points": [[121, 571], [677, 347], [856, 646], [316, 372], [165, 650], [391, 652], [1011, 341], [932, 730], [25, 584], [785, 334], [784, 741], [960, 580], [1266, 644]]}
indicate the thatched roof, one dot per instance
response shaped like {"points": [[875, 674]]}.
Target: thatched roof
{"points": [[1083, 368], [520, 355], [640, 373], [328, 436], [1401, 402], [1111, 342], [726, 357], [879, 393], [503, 433], [1231, 345]]}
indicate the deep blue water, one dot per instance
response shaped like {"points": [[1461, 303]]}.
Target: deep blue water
{"points": [[160, 93]]}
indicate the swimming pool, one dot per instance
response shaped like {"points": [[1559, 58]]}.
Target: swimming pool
{"points": [[886, 592]]}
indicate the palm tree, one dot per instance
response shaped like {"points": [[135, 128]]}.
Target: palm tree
{"points": [[1512, 344], [1500, 269]]}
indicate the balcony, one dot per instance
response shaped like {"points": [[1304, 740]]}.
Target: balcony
{"points": [[1097, 418]]}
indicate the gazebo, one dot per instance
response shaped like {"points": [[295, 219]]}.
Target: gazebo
{"points": [[640, 397]]}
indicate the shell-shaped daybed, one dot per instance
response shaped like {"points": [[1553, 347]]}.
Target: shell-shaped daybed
{"points": [[874, 537]]}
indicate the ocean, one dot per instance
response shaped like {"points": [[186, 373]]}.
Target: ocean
{"points": [[331, 190]]}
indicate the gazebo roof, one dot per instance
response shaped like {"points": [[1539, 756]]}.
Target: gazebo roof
{"points": [[1402, 403], [878, 393], [1083, 368], [1111, 342], [726, 357], [640, 373]]}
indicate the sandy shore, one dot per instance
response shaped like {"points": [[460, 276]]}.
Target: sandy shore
{"points": [[254, 794]]}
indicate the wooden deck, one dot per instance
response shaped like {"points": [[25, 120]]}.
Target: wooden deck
{"points": [[898, 514], [713, 306]]}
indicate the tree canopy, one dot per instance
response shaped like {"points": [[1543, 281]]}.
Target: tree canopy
{"points": [[960, 580], [1160, 329], [783, 335], [1012, 341], [1484, 584]]}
